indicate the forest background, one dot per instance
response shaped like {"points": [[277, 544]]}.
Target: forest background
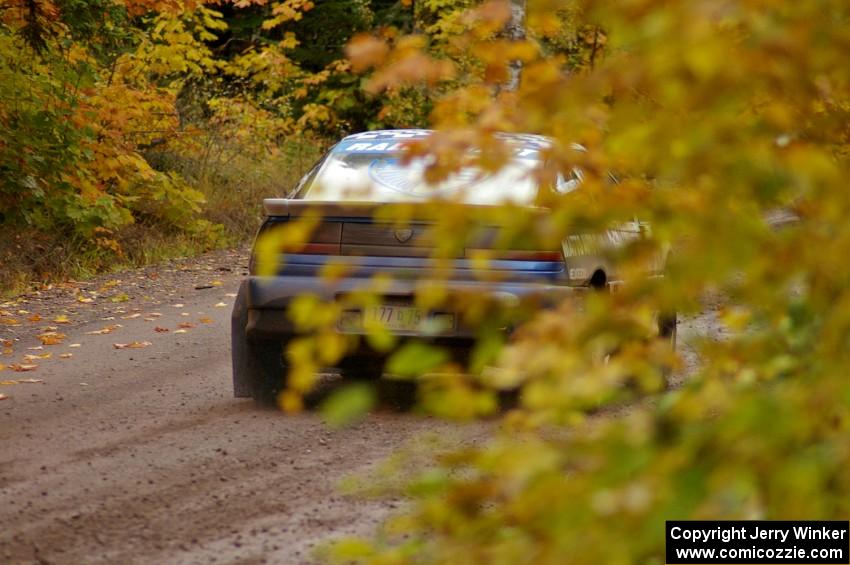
{"points": [[135, 130]]}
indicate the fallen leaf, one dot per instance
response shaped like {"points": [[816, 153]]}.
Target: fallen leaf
{"points": [[231, 295], [22, 368], [8, 351], [65, 355], [51, 338], [180, 331], [215, 283], [206, 320], [84, 299], [9, 322], [35, 348], [186, 325], [221, 305], [10, 382], [160, 329], [62, 319], [3, 397], [30, 381], [84, 384], [6, 342], [33, 357], [103, 331], [75, 345], [23, 312], [123, 297], [108, 318], [178, 305], [184, 314], [130, 316], [131, 345], [154, 314], [34, 318]]}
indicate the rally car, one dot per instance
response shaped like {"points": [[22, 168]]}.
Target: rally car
{"points": [[344, 194]]}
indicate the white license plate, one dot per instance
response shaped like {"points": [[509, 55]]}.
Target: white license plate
{"points": [[396, 319]]}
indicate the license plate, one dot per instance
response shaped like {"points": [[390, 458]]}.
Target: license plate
{"points": [[396, 319]]}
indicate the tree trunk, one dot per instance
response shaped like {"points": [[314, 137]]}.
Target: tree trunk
{"points": [[516, 32]]}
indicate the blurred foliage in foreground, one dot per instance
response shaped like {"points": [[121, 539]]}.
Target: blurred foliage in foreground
{"points": [[716, 113]]}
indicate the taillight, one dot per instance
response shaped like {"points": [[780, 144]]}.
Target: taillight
{"points": [[318, 249], [515, 255], [323, 240]]}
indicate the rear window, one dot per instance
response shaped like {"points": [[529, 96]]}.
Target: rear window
{"points": [[370, 169]]}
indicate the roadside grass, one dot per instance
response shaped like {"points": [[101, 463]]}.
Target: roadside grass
{"points": [[234, 187]]}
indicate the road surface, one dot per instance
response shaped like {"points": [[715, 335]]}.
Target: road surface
{"points": [[142, 455]]}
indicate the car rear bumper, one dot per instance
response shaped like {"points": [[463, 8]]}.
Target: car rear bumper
{"points": [[268, 298]]}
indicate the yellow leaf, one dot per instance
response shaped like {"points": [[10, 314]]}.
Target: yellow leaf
{"points": [[131, 345], [103, 331], [33, 356]]}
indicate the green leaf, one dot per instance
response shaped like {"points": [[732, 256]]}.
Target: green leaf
{"points": [[416, 358], [348, 405]]}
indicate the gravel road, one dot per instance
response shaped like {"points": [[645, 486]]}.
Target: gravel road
{"points": [[142, 455]]}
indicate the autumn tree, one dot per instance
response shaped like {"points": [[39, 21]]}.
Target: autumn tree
{"points": [[716, 116]]}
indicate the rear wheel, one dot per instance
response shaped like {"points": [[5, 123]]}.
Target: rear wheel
{"points": [[667, 331], [268, 371], [258, 367]]}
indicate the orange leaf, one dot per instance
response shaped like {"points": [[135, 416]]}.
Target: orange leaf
{"points": [[51, 338]]}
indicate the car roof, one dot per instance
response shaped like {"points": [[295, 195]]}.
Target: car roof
{"points": [[391, 140]]}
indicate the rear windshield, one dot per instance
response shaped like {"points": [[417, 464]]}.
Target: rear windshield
{"points": [[372, 170]]}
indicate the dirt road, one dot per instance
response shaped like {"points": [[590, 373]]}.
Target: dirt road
{"points": [[143, 455]]}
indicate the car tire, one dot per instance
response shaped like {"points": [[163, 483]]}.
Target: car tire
{"points": [[667, 324], [258, 367], [667, 328]]}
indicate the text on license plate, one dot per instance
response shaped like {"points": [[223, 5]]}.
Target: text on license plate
{"points": [[396, 318]]}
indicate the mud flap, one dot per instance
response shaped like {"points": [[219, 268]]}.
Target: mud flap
{"points": [[242, 374]]}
